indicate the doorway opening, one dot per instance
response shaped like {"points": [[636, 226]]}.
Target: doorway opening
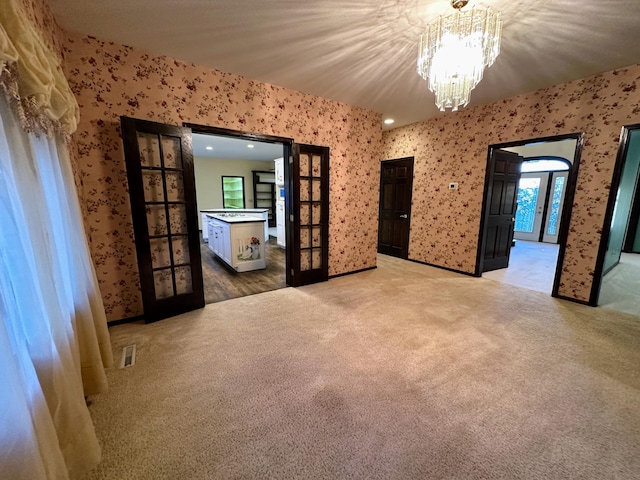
{"points": [[162, 191], [617, 277], [238, 180], [529, 191]]}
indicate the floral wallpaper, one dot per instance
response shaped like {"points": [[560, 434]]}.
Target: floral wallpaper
{"points": [[40, 15], [110, 80], [453, 148]]}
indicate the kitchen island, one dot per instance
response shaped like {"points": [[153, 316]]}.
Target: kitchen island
{"points": [[254, 212], [237, 239]]}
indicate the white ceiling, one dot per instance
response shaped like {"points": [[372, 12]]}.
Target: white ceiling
{"points": [[363, 52], [230, 148]]}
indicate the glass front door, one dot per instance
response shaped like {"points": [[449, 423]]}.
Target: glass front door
{"points": [[539, 206], [532, 192], [554, 209]]}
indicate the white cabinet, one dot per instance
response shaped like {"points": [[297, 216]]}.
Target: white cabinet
{"points": [[260, 212], [225, 243], [279, 168], [280, 224], [219, 239], [280, 214], [212, 235], [238, 242]]}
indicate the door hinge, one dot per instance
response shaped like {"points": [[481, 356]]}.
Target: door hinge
{"points": [[291, 218], [291, 160], [292, 274]]}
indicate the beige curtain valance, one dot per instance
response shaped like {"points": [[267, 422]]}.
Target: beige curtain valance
{"points": [[32, 77]]}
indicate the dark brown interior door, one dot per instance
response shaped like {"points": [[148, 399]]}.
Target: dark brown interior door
{"points": [[159, 162], [307, 203], [500, 210], [396, 185]]}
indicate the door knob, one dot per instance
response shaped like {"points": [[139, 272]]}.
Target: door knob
{"points": [[404, 215]]}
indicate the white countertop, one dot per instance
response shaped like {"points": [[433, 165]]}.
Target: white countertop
{"points": [[239, 210], [236, 218]]}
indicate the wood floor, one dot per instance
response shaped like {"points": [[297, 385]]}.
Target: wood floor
{"points": [[222, 284]]}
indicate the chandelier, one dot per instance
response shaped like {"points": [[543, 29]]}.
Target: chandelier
{"points": [[455, 50]]}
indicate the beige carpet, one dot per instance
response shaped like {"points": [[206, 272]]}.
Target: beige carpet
{"points": [[404, 372]]}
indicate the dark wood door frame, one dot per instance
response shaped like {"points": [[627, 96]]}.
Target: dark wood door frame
{"points": [[567, 204], [294, 275], [226, 132], [287, 155], [400, 215], [623, 148]]}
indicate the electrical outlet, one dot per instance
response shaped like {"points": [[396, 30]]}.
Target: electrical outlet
{"points": [[453, 186]]}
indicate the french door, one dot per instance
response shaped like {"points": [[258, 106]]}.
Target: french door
{"points": [[532, 195], [308, 207], [555, 201], [160, 173], [159, 162], [540, 200]]}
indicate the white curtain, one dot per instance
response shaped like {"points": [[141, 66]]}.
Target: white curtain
{"points": [[52, 325]]}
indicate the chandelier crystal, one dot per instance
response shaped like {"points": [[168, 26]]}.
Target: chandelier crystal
{"points": [[455, 50]]}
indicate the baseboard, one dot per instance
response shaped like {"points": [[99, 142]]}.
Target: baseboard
{"points": [[351, 273], [113, 323], [443, 268], [575, 300]]}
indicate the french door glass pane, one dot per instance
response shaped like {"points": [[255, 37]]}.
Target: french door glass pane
{"points": [[184, 282], [316, 213], [558, 186], [305, 238], [305, 260], [316, 257], [175, 186], [304, 190], [156, 220], [163, 282], [149, 150], [160, 256], [171, 152], [528, 190], [152, 185]]}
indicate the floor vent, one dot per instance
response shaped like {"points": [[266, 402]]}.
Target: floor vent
{"points": [[128, 356]]}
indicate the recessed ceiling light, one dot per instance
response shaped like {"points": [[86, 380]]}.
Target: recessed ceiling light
{"points": [[208, 147], [389, 121], [250, 145]]}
